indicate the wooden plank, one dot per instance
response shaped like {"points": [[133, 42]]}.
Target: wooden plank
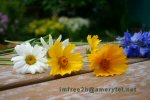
{"points": [[137, 78], [9, 79]]}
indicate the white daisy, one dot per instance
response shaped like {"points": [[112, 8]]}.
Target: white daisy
{"points": [[29, 59], [50, 42]]}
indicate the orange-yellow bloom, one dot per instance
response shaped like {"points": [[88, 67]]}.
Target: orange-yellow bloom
{"points": [[93, 43], [108, 61], [62, 60]]}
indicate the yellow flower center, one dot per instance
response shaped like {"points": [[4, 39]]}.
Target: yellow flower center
{"points": [[30, 59], [63, 61], [105, 64]]}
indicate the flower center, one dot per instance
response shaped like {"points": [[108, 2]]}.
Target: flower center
{"points": [[105, 64], [30, 59], [63, 61]]}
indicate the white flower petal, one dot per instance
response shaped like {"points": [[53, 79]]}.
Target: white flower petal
{"points": [[39, 51], [43, 60], [39, 68], [21, 70], [17, 58], [50, 41], [36, 67], [19, 49], [44, 43], [32, 69], [25, 69], [59, 38], [26, 49], [36, 50], [43, 65], [65, 43], [19, 64]]}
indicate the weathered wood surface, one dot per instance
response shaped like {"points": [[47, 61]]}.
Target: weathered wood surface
{"points": [[137, 76], [10, 79]]}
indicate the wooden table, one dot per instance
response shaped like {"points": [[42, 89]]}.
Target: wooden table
{"points": [[134, 84]]}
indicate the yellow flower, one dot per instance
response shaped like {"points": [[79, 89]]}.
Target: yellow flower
{"points": [[62, 60], [93, 43], [108, 61]]}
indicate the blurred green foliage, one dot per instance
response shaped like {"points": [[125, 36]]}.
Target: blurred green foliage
{"points": [[68, 27], [17, 20], [104, 14], [109, 18], [45, 26], [76, 28]]}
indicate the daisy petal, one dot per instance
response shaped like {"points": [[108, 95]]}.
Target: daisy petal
{"points": [[59, 38], [65, 43], [21, 70], [19, 64], [42, 65], [19, 49], [29, 56], [39, 51], [50, 41], [25, 69], [17, 58], [32, 69], [44, 43]]}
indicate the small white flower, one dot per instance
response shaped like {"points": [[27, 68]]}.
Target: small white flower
{"points": [[50, 42], [29, 59], [74, 24]]}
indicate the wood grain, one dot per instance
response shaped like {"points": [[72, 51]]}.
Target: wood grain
{"points": [[9, 79], [137, 76]]}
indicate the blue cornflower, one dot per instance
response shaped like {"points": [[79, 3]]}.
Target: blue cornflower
{"points": [[146, 38], [124, 41], [127, 37], [137, 45], [145, 52], [137, 37], [132, 50]]}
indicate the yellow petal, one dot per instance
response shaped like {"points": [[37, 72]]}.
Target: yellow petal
{"points": [[56, 50], [72, 63], [75, 57], [93, 42], [117, 62], [68, 49]]}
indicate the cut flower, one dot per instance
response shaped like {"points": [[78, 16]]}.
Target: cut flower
{"points": [[62, 60], [137, 45], [50, 43], [29, 59], [108, 61], [93, 43]]}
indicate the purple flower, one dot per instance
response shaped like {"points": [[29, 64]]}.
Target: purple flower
{"points": [[4, 19], [146, 38], [127, 37], [132, 51], [137, 37], [137, 45], [1, 30], [125, 41], [145, 51]]}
